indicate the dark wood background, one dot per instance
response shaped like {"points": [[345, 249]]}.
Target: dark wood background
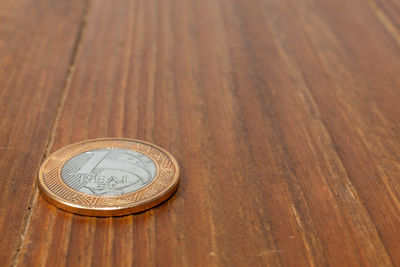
{"points": [[284, 116]]}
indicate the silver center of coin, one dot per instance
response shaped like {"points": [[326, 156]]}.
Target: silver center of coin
{"points": [[108, 172]]}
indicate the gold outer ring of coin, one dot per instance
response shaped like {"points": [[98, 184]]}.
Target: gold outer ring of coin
{"points": [[58, 193]]}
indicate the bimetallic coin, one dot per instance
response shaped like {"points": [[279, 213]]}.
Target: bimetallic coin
{"points": [[108, 177]]}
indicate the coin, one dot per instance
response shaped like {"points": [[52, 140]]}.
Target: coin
{"points": [[108, 177]]}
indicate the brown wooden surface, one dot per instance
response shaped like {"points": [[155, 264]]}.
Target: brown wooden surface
{"points": [[283, 114]]}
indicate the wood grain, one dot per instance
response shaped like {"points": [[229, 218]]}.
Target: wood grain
{"points": [[36, 42], [283, 116]]}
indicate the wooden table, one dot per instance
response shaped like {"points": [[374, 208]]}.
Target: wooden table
{"points": [[284, 116]]}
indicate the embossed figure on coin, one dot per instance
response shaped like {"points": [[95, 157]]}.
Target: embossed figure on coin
{"points": [[108, 172]]}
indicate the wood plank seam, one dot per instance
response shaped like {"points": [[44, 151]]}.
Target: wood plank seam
{"points": [[267, 104], [34, 192]]}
